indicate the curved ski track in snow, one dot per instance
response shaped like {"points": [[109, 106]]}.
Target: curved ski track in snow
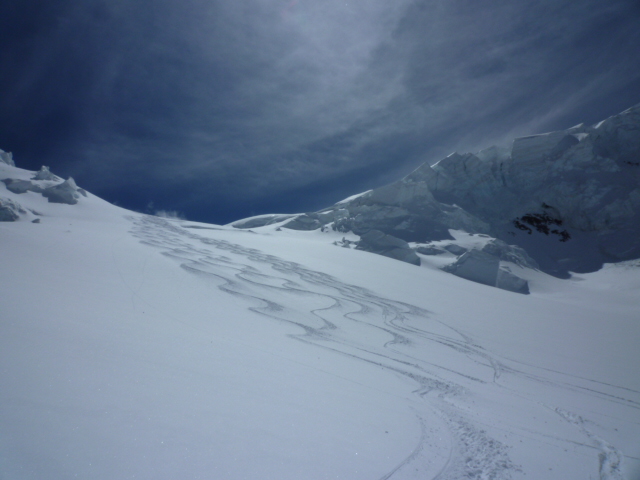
{"points": [[401, 337]]}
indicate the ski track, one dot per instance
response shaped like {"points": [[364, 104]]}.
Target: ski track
{"points": [[609, 458], [338, 307]]}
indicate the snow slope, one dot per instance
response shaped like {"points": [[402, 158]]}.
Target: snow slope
{"points": [[134, 346]]}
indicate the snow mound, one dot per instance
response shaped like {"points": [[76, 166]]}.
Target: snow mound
{"points": [[65, 192], [50, 186], [7, 157], [21, 186], [10, 211], [45, 174]]}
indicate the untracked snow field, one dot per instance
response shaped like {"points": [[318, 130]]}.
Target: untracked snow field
{"points": [[134, 346]]}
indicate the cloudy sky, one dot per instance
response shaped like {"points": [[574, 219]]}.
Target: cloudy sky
{"points": [[221, 109]]}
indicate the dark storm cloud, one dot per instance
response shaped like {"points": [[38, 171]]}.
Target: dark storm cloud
{"points": [[223, 109]]}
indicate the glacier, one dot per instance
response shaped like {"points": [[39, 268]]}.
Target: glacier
{"points": [[569, 198], [134, 346]]}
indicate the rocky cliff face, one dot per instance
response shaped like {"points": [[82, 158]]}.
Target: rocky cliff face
{"points": [[570, 198]]}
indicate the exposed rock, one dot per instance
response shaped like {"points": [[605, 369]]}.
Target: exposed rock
{"points": [[378, 242], [10, 211], [65, 192], [21, 186], [547, 222], [44, 174]]}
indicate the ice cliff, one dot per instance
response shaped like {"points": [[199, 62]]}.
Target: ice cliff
{"points": [[570, 199]]}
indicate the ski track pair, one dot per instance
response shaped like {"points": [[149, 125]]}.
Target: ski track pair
{"points": [[257, 278]]}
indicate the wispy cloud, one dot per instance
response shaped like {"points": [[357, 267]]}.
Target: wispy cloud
{"points": [[220, 102]]}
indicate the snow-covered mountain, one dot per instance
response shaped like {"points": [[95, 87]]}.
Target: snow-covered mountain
{"points": [[133, 346], [569, 200]]}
